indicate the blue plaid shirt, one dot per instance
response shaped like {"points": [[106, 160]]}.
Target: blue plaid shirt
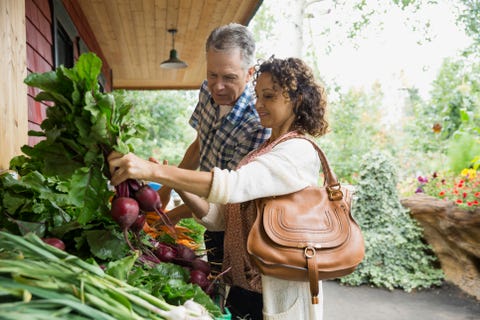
{"points": [[224, 143]]}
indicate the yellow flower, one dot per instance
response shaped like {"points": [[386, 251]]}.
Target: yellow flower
{"points": [[470, 173]]}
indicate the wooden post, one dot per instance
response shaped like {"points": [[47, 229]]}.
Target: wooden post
{"points": [[13, 70]]}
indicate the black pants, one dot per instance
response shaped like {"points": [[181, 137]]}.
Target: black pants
{"points": [[214, 246], [244, 304]]}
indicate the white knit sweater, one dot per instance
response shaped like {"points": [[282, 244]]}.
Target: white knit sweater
{"points": [[290, 166]]}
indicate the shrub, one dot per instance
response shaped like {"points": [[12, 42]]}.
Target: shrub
{"points": [[396, 255]]}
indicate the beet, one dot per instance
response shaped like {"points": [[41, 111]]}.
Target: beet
{"points": [[185, 253], [165, 252], [122, 190], [125, 212], [137, 226], [202, 265], [200, 278], [57, 243], [149, 201]]}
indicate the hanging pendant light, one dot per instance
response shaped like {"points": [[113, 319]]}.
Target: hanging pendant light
{"points": [[173, 62]]}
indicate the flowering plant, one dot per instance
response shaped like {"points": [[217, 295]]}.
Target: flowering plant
{"points": [[463, 189]]}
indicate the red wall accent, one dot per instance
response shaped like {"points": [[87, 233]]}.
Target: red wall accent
{"points": [[38, 14], [39, 56]]}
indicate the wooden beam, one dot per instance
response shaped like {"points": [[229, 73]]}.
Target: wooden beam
{"points": [[13, 92]]}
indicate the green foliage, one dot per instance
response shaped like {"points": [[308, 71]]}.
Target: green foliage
{"points": [[455, 96], [262, 27], [463, 148], [442, 134], [396, 256], [62, 186], [355, 123], [165, 115], [469, 16]]}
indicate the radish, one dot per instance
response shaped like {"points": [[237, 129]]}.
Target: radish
{"points": [[149, 200], [125, 212], [57, 243]]}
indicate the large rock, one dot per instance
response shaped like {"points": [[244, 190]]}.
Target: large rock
{"points": [[454, 235]]}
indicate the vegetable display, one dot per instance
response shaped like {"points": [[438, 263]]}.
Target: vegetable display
{"points": [[57, 195], [71, 288]]}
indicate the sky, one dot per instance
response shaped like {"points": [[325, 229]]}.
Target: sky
{"points": [[391, 56]]}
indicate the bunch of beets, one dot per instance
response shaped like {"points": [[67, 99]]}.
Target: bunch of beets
{"points": [[129, 206], [131, 203], [184, 256]]}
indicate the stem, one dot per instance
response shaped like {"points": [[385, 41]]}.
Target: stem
{"points": [[125, 234], [167, 222]]}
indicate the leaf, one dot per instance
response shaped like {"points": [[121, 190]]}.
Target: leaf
{"points": [[89, 191], [106, 244], [120, 269], [88, 68]]}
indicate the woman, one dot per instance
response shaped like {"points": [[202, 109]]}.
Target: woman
{"points": [[291, 103]]}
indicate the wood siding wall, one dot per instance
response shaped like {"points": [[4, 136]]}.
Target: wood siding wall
{"points": [[86, 33], [38, 15], [13, 92]]}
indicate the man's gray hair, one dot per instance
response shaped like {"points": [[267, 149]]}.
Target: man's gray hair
{"points": [[232, 36]]}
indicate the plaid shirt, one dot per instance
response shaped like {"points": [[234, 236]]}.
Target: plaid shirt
{"points": [[224, 143]]}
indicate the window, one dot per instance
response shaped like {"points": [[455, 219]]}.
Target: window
{"points": [[67, 44], [64, 48], [64, 33]]}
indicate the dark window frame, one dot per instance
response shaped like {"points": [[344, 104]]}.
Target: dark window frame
{"points": [[63, 27]]}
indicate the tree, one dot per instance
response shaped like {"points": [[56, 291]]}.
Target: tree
{"points": [[355, 125], [469, 17], [165, 114]]}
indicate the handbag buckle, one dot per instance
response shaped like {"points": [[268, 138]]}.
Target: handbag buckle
{"points": [[309, 252], [334, 192]]}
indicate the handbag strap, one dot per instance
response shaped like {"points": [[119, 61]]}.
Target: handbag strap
{"points": [[331, 182]]}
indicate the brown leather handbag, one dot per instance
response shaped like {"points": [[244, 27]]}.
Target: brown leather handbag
{"points": [[308, 235]]}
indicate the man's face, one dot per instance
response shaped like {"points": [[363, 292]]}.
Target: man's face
{"points": [[226, 77]]}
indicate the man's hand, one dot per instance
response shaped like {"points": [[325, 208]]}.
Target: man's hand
{"points": [[164, 192]]}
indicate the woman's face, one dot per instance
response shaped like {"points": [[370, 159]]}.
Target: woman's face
{"points": [[226, 76], [274, 109]]}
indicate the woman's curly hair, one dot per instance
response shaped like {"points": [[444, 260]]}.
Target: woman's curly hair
{"points": [[299, 86]]}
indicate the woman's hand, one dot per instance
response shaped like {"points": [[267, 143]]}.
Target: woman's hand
{"points": [[129, 166]]}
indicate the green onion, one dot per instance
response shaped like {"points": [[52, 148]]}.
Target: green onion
{"points": [[47, 279]]}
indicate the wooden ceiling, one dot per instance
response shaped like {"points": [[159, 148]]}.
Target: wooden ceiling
{"points": [[133, 37]]}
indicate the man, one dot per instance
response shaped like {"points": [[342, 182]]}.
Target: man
{"points": [[225, 118]]}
